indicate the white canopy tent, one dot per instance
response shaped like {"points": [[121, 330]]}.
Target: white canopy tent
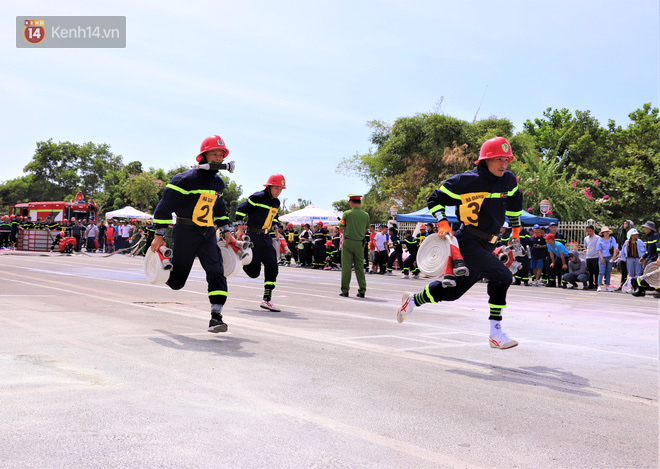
{"points": [[127, 212], [311, 214]]}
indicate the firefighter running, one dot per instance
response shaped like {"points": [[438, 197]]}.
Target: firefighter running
{"points": [[259, 214], [195, 196], [484, 197]]}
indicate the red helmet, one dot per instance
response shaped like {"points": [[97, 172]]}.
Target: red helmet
{"points": [[276, 180], [214, 142], [73, 218], [328, 243], [495, 148], [289, 225], [62, 234], [65, 220]]}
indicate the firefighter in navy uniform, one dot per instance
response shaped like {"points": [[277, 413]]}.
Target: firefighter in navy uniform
{"points": [[54, 229], [292, 239], [15, 223], [484, 197], [5, 232], [259, 213], [196, 198], [320, 235], [412, 247], [150, 232], [522, 275]]}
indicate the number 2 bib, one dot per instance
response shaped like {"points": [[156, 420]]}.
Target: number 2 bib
{"points": [[203, 212]]}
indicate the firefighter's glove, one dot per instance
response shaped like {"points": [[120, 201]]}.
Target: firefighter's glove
{"points": [[444, 229], [515, 235]]}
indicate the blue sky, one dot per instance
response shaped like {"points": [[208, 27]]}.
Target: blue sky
{"points": [[290, 85]]}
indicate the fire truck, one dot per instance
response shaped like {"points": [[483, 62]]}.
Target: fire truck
{"points": [[78, 208], [45, 240]]}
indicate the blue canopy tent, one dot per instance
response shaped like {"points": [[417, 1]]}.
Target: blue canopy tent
{"points": [[425, 216]]}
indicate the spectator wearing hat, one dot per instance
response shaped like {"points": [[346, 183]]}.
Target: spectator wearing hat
{"points": [[607, 250], [559, 236], [591, 246], [558, 260], [621, 238], [651, 243], [632, 251], [505, 235], [577, 271], [539, 250]]}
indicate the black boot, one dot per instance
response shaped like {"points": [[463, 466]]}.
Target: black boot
{"points": [[216, 324]]}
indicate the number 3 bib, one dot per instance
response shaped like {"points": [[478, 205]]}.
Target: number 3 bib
{"points": [[470, 207], [203, 212]]}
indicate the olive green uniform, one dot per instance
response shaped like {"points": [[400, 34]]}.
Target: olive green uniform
{"points": [[354, 221]]}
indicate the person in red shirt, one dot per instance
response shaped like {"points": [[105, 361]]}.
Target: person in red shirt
{"points": [[110, 237]]}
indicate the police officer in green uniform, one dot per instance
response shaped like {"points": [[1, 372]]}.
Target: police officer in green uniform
{"points": [[352, 225]]}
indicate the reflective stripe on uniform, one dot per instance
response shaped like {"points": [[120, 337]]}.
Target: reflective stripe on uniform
{"points": [[218, 292], [198, 191], [267, 207]]}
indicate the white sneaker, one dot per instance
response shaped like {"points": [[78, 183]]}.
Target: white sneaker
{"points": [[600, 289], [609, 289], [270, 306], [570, 286], [388, 273], [407, 305], [627, 286], [405, 276], [502, 341]]}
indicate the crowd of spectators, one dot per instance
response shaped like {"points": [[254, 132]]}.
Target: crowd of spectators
{"points": [[105, 236], [549, 262]]}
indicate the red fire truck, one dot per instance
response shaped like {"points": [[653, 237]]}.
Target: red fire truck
{"points": [[78, 208]]}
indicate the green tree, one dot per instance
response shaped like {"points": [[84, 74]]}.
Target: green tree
{"points": [[578, 138], [15, 190], [231, 194], [341, 205], [141, 190], [632, 182], [66, 167], [300, 204], [416, 154]]}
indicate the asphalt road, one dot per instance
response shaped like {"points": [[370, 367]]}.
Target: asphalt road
{"points": [[100, 369]]}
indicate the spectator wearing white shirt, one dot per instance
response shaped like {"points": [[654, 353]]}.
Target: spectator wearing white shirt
{"points": [[593, 259], [380, 242]]}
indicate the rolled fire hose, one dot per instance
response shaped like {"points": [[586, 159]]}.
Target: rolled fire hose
{"points": [[433, 255], [153, 268], [231, 262]]}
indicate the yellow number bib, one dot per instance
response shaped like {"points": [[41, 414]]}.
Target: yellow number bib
{"points": [[269, 220], [470, 207], [291, 236], [203, 212]]}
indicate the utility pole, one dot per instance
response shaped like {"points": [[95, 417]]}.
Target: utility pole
{"points": [[482, 100]]}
